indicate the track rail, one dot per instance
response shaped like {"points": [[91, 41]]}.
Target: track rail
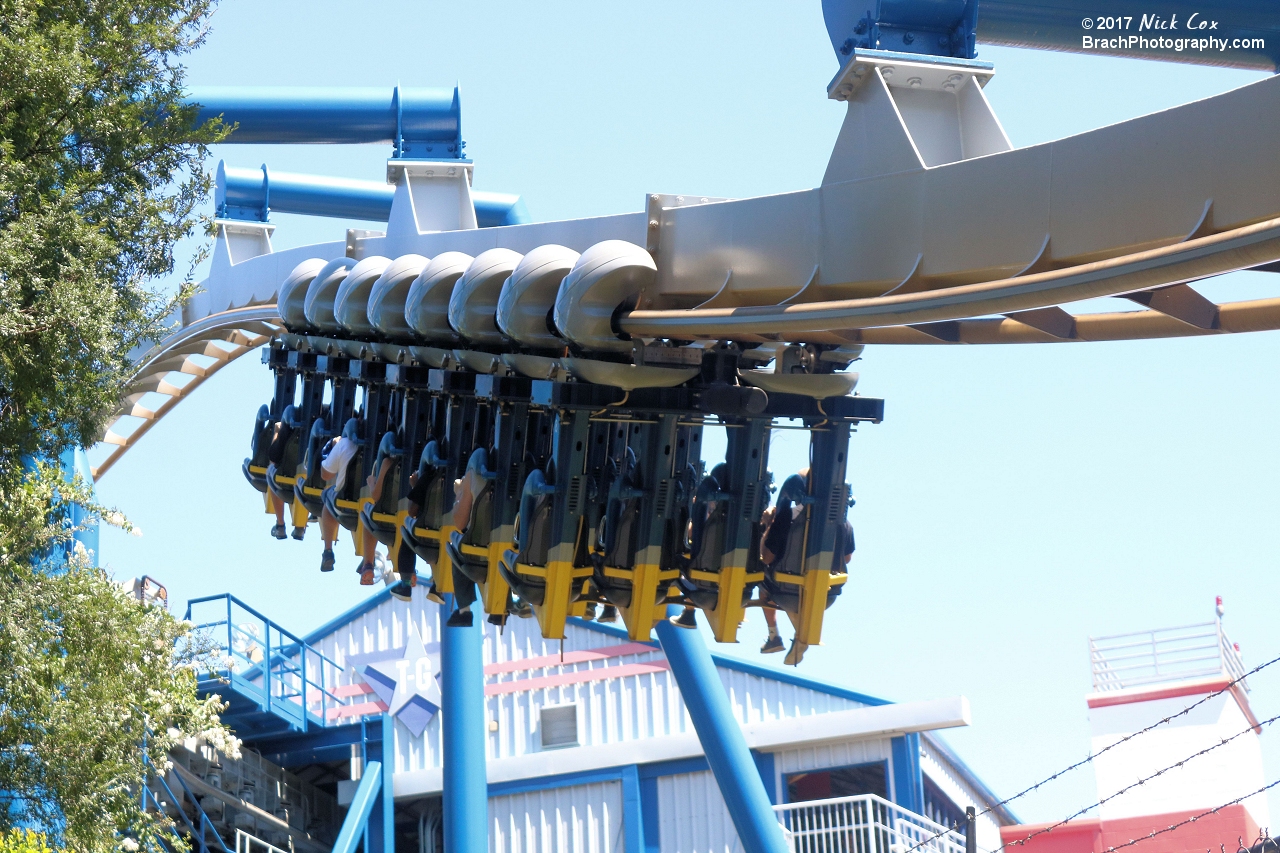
{"points": [[983, 250]]}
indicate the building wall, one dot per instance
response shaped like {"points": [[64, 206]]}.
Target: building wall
{"points": [[643, 703], [693, 817], [576, 819], [1228, 772], [628, 705], [959, 792]]}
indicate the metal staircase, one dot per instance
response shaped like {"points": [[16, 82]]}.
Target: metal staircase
{"points": [[278, 682]]}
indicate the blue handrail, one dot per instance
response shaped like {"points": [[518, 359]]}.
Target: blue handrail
{"points": [[198, 835], [281, 672]]}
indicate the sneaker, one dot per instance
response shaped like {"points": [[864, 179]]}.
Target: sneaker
{"points": [[796, 654], [298, 533], [590, 612], [402, 591], [688, 618], [460, 619], [498, 619], [772, 645], [327, 560], [521, 609], [433, 594], [609, 614], [278, 531]]}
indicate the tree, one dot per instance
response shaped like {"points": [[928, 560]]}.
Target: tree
{"points": [[101, 171], [90, 681], [100, 175]]}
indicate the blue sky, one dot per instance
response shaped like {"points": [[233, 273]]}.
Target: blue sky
{"points": [[1015, 500]]}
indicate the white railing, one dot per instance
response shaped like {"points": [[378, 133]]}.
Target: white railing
{"points": [[862, 824], [246, 843], [1167, 654]]}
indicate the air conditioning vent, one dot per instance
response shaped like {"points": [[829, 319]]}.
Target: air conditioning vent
{"points": [[559, 727]]}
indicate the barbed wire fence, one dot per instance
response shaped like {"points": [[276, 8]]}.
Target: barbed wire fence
{"points": [[1089, 759]]}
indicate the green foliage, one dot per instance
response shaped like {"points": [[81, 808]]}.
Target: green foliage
{"points": [[100, 174], [89, 675], [24, 841]]}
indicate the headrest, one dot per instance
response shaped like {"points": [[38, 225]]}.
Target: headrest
{"points": [[794, 490], [387, 446], [479, 459], [430, 457], [290, 417], [351, 430]]}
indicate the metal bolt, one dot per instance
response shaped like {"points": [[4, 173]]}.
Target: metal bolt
{"points": [[908, 38], [915, 82], [653, 223]]}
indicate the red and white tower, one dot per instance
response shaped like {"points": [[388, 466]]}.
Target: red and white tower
{"points": [[1146, 681]]}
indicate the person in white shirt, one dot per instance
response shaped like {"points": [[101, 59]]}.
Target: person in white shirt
{"points": [[334, 471]]}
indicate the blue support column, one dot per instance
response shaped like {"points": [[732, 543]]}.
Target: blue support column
{"points": [[466, 790], [380, 832], [722, 741], [908, 779], [632, 810], [388, 795]]}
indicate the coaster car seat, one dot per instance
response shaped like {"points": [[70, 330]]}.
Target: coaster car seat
{"points": [[706, 542], [344, 504], [469, 548], [379, 517], [533, 540], [313, 484], [422, 533], [281, 486], [784, 578], [255, 466], [617, 537]]}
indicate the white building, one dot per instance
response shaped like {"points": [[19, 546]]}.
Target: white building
{"points": [[590, 747]]}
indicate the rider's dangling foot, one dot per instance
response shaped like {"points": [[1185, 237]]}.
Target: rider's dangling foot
{"points": [[773, 645], [460, 619]]}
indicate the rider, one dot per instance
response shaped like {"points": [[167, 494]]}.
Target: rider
{"points": [[465, 491], [773, 551], [369, 543], [280, 435], [333, 469]]}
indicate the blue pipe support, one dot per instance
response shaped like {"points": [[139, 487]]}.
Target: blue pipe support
{"points": [[463, 731], [361, 807], [74, 461], [420, 123], [253, 193], [952, 28], [722, 741]]}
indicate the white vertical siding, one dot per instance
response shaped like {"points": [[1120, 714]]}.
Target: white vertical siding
{"points": [[693, 817], [613, 710], [577, 819], [942, 774]]}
